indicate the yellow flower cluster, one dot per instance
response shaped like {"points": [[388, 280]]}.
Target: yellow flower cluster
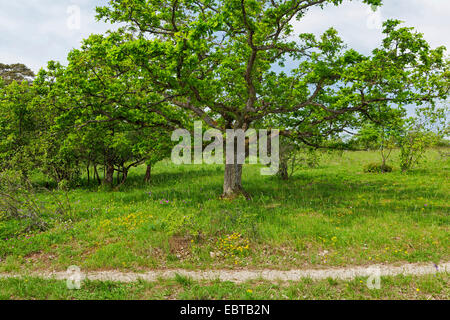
{"points": [[342, 212], [128, 222], [233, 245], [393, 250]]}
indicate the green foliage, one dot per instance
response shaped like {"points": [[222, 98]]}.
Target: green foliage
{"points": [[172, 62], [294, 156], [176, 225], [413, 135], [288, 157], [413, 145], [93, 121], [443, 143], [19, 122], [377, 168], [419, 133]]}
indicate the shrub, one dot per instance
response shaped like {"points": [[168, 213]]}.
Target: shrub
{"points": [[377, 168], [294, 156], [229, 221], [19, 202], [443, 143], [413, 146], [177, 225]]}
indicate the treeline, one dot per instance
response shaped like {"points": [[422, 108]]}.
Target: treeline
{"points": [[48, 124], [66, 121]]}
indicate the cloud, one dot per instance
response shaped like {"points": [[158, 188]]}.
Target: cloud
{"points": [[36, 31], [357, 23]]}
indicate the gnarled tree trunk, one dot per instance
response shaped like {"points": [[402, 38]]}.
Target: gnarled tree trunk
{"points": [[232, 185], [109, 174]]}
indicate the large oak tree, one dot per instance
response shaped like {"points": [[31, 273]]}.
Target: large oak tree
{"points": [[215, 59]]}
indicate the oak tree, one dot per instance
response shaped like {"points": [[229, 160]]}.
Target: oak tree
{"points": [[215, 60]]}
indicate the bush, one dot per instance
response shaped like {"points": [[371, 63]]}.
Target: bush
{"points": [[377, 168], [177, 225], [294, 156], [19, 202], [443, 143]]}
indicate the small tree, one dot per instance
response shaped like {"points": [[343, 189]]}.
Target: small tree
{"points": [[295, 155], [288, 157], [419, 133], [378, 137]]}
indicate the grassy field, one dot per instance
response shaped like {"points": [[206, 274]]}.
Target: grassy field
{"points": [[333, 215], [400, 287]]}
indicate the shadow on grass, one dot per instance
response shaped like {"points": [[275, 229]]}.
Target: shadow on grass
{"points": [[326, 191]]}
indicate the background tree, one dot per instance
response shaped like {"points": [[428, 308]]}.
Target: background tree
{"points": [[19, 121], [382, 134], [422, 131], [102, 112], [15, 72], [411, 135]]}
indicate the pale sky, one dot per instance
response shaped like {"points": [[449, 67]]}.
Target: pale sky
{"points": [[36, 31]]}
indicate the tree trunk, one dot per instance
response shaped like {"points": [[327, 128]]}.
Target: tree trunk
{"points": [[109, 175], [284, 170], [97, 175], [124, 176], [148, 174], [383, 157], [232, 186], [88, 174]]}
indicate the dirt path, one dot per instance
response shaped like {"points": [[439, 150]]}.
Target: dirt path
{"points": [[245, 275]]}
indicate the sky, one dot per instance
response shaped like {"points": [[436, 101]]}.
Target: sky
{"points": [[36, 31]]}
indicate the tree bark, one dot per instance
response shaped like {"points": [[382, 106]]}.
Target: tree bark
{"points": [[124, 173], [97, 175], [148, 174], [232, 185], [109, 176], [88, 173], [284, 173], [124, 176]]}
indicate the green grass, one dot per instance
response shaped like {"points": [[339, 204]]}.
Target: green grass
{"points": [[400, 287], [334, 215]]}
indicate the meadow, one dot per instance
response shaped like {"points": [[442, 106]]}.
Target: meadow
{"points": [[332, 215]]}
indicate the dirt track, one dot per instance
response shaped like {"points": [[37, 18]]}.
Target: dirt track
{"points": [[245, 275]]}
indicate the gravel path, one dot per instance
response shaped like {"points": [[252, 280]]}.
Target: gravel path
{"points": [[239, 276]]}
